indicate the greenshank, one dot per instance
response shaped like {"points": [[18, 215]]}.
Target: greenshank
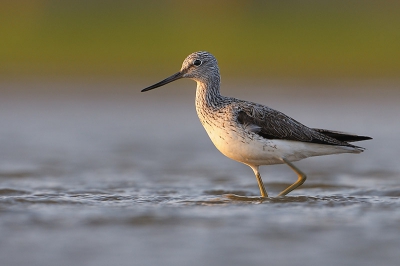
{"points": [[252, 133]]}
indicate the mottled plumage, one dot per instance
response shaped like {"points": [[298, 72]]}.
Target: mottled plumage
{"points": [[252, 133]]}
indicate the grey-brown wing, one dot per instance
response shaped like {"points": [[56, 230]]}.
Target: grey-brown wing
{"points": [[272, 124]]}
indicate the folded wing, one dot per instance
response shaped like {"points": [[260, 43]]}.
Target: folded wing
{"points": [[272, 124]]}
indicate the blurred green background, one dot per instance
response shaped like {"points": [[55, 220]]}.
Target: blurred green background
{"points": [[52, 38]]}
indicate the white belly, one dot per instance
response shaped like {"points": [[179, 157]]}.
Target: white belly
{"points": [[251, 149]]}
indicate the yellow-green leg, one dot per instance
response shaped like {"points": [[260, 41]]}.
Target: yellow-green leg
{"points": [[301, 178], [263, 192]]}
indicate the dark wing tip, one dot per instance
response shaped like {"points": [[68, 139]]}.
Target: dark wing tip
{"points": [[341, 136]]}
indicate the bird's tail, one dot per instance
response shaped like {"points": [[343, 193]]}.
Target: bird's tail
{"points": [[342, 136]]}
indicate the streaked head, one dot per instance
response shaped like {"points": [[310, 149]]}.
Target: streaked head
{"points": [[199, 66]]}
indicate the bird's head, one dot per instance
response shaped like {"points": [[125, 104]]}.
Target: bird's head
{"points": [[199, 66]]}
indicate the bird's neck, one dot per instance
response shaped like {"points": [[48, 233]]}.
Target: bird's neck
{"points": [[207, 93]]}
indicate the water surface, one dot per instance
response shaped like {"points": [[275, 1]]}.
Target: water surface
{"points": [[96, 173]]}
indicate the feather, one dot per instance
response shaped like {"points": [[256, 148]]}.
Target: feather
{"points": [[342, 136], [273, 124]]}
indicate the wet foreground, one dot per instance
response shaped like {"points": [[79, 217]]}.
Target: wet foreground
{"points": [[99, 174]]}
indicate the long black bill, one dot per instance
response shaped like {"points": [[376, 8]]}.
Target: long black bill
{"points": [[174, 77]]}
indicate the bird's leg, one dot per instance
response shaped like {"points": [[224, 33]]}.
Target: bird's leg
{"points": [[263, 192], [301, 178]]}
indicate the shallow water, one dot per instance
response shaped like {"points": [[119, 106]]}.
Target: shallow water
{"points": [[100, 174]]}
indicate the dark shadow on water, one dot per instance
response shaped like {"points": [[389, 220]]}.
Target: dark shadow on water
{"points": [[17, 174], [219, 192], [12, 192]]}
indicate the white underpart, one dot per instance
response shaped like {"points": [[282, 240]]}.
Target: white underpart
{"points": [[247, 147]]}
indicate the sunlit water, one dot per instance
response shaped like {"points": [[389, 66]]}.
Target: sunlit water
{"points": [[100, 174]]}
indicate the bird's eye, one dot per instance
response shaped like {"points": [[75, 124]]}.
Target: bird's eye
{"points": [[197, 62]]}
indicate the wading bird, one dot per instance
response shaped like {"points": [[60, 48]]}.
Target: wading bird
{"points": [[252, 133]]}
